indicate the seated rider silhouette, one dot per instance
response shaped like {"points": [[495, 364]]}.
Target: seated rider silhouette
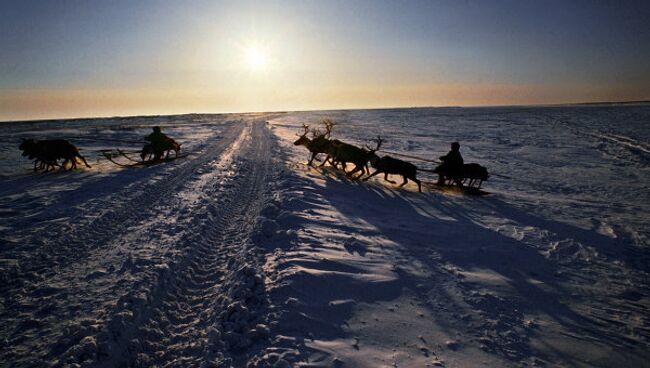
{"points": [[158, 143], [451, 167]]}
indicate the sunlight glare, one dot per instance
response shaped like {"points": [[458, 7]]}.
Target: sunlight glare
{"points": [[256, 58]]}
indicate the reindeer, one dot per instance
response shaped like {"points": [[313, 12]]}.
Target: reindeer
{"points": [[47, 153], [475, 172], [471, 172], [40, 162], [390, 165], [169, 145], [343, 153], [320, 142]]}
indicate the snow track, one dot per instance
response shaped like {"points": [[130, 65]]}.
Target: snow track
{"points": [[240, 256], [625, 141], [145, 276]]}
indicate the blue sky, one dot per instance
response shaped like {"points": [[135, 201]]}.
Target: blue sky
{"points": [[125, 57]]}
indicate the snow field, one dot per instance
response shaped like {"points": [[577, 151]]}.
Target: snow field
{"points": [[240, 255], [162, 273], [383, 277]]}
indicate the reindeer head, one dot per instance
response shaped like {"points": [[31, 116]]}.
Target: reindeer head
{"points": [[303, 137], [27, 146], [371, 151], [378, 141]]}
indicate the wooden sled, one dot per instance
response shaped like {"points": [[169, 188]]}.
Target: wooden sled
{"points": [[111, 155]]}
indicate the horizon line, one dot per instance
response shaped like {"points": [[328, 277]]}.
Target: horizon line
{"points": [[563, 104]]}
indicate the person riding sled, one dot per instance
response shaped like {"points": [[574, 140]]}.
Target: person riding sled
{"points": [[158, 143], [451, 167]]}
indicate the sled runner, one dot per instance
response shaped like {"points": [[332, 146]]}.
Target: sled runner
{"points": [[117, 157], [455, 189]]}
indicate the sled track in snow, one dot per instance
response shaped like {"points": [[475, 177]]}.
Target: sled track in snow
{"points": [[165, 292], [182, 323], [104, 219], [625, 141]]}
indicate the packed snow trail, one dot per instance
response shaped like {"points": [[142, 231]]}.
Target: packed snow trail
{"points": [[182, 321], [159, 262]]}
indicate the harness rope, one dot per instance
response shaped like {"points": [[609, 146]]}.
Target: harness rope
{"points": [[411, 156]]}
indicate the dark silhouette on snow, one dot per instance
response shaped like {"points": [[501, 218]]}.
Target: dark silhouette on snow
{"points": [[390, 165], [474, 172], [320, 142], [158, 145], [337, 152], [342, 153], [451, 167], [46, 153]]}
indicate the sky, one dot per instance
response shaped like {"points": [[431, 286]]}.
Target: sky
{"points": [[86, 58]]}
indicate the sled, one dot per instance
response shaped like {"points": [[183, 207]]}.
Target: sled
{"points": [[111, 155], [455, 189]]}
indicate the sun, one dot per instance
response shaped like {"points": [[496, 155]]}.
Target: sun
{"points": [[256, 57]]}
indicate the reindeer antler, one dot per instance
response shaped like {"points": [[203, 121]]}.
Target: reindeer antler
{"points": [[379, 141], [306, 128], [315, 132], [329, 125]]}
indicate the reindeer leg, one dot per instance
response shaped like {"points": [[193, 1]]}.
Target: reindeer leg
{"points": [[388, 180], [84, 160], [418, 183], [356, 168], [370, 176], [363, 172], [324, 161], [313, 155], [404, 182], [336, 164]]}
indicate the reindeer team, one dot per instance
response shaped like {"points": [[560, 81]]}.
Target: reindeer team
{"points": [[341, 153], [47, 153]]}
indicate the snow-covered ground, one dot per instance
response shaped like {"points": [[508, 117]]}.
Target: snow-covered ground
{"points": [[240, 254]]}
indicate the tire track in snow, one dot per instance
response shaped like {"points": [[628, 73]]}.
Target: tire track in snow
{"points": [[45, 296], [185, 320], [102, 220]]}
